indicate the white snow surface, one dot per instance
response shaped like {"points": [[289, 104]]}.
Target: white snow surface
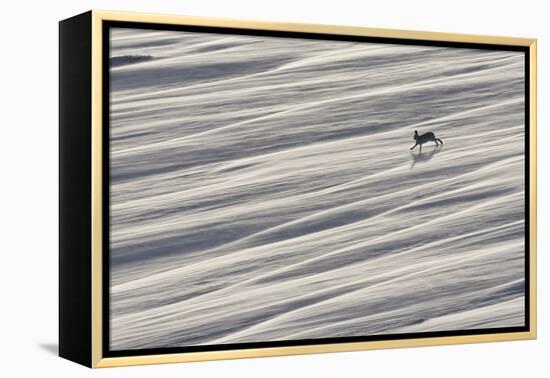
{"points": [[262, 189]]}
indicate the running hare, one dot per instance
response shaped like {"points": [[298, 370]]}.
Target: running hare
{"points": [[421, 139]]}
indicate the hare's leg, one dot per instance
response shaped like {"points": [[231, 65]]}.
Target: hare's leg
{"points": [[420, 147], [414, 146]]}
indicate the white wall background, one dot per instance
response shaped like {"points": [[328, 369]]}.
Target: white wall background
{"points": [[28, 211]]}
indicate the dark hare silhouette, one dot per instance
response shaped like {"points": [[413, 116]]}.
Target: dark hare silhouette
{"points": [[421, 139]]}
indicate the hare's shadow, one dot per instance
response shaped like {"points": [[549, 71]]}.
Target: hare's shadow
{"points": [[421, 157]]}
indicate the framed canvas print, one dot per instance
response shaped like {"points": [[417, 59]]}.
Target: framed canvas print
{"points": [[235, 189]]}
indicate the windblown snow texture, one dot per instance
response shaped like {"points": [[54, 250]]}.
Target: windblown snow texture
{"points": [[262, 189]]}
